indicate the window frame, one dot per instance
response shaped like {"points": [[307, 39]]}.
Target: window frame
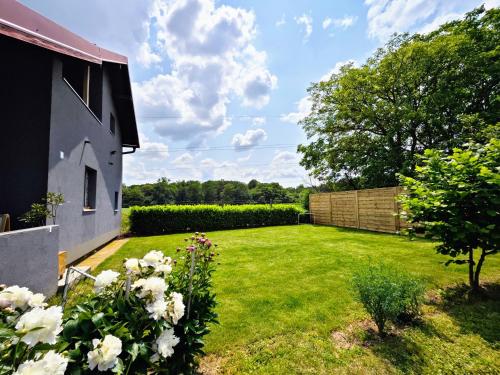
{"points": [[89, 189]]}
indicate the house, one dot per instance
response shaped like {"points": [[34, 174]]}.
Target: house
{"points": [[67, 119]]}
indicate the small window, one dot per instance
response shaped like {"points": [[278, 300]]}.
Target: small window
{"points": [[89, 191], [116, 201], [112, 123]]}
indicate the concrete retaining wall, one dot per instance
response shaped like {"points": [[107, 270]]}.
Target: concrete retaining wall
{"points": [[28, 258]]}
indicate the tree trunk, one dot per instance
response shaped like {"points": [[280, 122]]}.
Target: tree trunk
{"points": [[475, 286], [471, 268]]}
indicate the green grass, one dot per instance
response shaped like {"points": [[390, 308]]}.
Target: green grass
{"points": [[282, 291], [125, 224]]}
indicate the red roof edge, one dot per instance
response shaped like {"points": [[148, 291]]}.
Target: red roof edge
{"points": [[22, 23]]}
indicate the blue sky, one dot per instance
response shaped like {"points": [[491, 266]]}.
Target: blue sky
{"points": [[220, 85]]}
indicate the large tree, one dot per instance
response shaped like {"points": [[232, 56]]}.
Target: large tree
{"points": [[368, 123]]}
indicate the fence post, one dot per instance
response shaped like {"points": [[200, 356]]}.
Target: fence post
{"points": [[331, 212], [397, 220], [357, 208]]}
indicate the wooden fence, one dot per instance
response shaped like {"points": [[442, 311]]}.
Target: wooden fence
{"points": [[371, 209]]}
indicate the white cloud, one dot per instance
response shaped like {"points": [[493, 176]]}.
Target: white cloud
{"points": [[306, 21], [386, 17], [212, 59], [326, 23], [304, 104], [183, 160], [248, 140], [281, 21], [336, 69], [345, 22], [151, 150], [285, 165], [146, 57], [258, 121], [303, 109], [488, 4], [245, 158]]}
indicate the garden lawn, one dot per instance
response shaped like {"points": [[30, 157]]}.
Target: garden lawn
{"points": [[282, 291]]}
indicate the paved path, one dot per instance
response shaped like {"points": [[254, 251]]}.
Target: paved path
{"points": [[97, 258]]}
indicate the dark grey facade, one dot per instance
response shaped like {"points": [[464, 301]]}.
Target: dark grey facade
{"points": [[50, 136]]}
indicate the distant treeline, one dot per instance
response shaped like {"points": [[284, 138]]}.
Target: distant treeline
{"points": [[211, 192]]}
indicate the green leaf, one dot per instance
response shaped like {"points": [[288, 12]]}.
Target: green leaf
{"points": [[70, 329]]}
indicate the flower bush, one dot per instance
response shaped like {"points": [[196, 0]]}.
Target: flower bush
{"points": [[149, 319]]}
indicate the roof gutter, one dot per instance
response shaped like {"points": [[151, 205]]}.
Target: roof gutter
{"points": [[129, 152]]}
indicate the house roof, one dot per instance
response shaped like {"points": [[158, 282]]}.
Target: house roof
{"points": [[20, 22]]}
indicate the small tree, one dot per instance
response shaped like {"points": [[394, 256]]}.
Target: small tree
{"points": [[456, 199], [53, 201], [40, 212]]}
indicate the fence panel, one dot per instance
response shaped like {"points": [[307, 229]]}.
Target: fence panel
{"points": [[320, 206], [371, 209]]}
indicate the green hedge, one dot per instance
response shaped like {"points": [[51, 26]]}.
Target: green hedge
{"points": [[171, 218]]}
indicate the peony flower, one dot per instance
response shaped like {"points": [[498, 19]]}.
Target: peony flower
{"points": [[165, 343], [15, 297], [52, 363], [175, 307], [163, 268], [37, 300], [105, 353], [154, 286], [104, 279], [132, 265], [40, 325], [157, 309], [152, 259]]}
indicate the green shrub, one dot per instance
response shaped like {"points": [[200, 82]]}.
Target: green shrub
{"points": [[388, 295], [171, 218], [455, 197]]}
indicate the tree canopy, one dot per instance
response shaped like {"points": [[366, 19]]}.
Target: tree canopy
{"points": [[216, 192], [368, 123], [456, 199]]}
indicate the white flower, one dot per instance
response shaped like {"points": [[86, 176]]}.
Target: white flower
{"points": [[105, 353], [104, 279], [165, 343], [157, 309], [15, 297], [153, 259], [132, 265], [37, 300], [48, 324], [175, 307], [154, 286], [163, 268], [52, 363]]}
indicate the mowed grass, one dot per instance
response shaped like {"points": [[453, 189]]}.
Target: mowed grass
{"points": [[282, 291]]}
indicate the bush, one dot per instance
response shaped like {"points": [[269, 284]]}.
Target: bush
{"points": [[388, 295], [149, 320], [455, 197], [171, 218]]}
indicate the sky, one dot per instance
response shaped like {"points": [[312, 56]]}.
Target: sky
{"points": [[219, 85]]}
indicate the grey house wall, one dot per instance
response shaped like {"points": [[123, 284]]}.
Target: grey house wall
{"points": [[29, 258], [71, 125], [24, 125]]}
